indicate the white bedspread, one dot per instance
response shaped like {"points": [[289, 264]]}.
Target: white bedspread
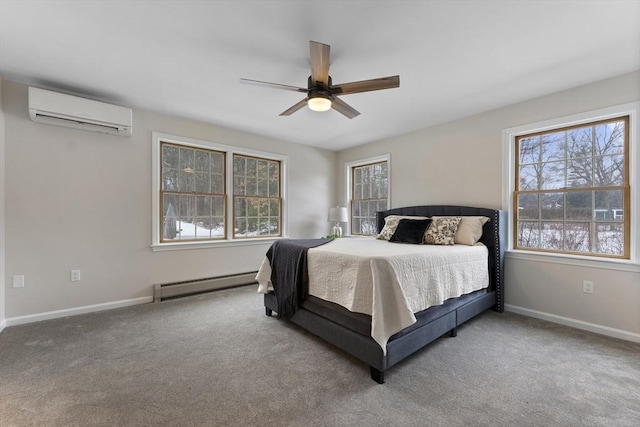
{"points": [[390, 281]]}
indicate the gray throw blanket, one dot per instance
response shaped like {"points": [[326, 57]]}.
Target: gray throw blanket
{"points": [[289, 275]]}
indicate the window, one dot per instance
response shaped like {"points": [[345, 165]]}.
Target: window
{"points": [[206, 194], [256, 196], [369, 193], [192, 193], [572, 192]]}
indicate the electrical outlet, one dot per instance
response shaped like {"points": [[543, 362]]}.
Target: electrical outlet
{"points": [[587, 286], [75, 275], [18, 281]]}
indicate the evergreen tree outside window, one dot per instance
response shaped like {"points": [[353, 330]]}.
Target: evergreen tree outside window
{"points": [[207, 194], [192, 196], [256, 197]]}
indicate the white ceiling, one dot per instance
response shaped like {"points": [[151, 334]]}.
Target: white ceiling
{"points": [[185, 58]]}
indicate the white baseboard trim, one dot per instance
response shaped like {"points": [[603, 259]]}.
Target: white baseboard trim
{"points": [[578, 324], [3, 324], [30, 318]]}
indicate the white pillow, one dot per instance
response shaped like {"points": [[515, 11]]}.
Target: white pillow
{"points": [[391, 223]]}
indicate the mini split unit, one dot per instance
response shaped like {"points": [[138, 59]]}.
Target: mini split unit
{"points": [[58, 109]]}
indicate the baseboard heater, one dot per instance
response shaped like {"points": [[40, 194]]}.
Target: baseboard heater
{"points": [[162, 291]]}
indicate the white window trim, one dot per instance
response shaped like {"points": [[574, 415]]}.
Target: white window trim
{"points": [[156, 138], [350, 165], [508, 186]]}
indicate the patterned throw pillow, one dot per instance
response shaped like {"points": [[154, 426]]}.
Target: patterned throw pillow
{"points": [[442, 231], [391, 223], [469, 230]]}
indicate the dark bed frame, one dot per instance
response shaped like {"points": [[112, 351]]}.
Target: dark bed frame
{"points": [[351, 332]]}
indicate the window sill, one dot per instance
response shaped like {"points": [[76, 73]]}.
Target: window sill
{"points": [[178, 246], [575, 260]]}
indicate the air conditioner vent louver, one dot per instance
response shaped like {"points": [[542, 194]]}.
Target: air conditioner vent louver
{"points": [[79, 113]]}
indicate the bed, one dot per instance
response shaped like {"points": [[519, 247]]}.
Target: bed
{"points": [[386, 324]]}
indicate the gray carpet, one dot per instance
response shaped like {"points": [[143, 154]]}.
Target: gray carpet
{"points": [[217, 360]]}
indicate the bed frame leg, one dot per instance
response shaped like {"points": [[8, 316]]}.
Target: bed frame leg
{"points": [[453, 333], [377, 376], [268, 311]]}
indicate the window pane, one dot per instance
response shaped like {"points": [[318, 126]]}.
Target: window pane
{"points": [[609, 238], [610, 138], [217, 206], [580, 142], [187, 159], [578, 237], [274, 227], [355, 226], [217, 184], [609, 205], [202, 161], [186, 182], [528, 177], [239, 166], [551, 235], [202, 184], [263, 187], [609, 170], [263, 169], [529, 150], [170, 216], [274, 208], [170, 179], [170, 157], [552, 205], [579, 205], [528, 234], [203, 208], [239, 186], [251, 167], [580, 172], [217, 228], [203, 228], [241, 227], [553, 146], [528, 207], [552, 175]]}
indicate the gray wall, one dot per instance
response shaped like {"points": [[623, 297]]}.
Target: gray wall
{"points": [[82, 200], [461, 163]]}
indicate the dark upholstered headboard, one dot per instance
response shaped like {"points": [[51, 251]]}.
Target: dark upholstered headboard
{"points": [[494, 236]]}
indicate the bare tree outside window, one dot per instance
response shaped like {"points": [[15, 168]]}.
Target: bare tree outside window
{"points": [[572, 189]]}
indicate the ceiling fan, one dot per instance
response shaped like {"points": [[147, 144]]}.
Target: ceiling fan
{"points": [[322, 95]]}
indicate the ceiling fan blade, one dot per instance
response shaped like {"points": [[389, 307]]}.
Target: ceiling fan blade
{"points": [[274, 85], [366, 85], [294, 108], [343, 108], [319, 62]]}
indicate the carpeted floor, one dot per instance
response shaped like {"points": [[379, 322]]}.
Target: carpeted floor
{"points": [[217, 360]]}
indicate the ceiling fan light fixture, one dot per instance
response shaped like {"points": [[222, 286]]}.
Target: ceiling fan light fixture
{"points": [[319, 103]]}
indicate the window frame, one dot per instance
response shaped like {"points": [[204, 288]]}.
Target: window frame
{"points": [[509, 173], [349, 166], [229, 151]]}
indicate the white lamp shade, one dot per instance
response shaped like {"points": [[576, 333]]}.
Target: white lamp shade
{"points": [[338, 214]]}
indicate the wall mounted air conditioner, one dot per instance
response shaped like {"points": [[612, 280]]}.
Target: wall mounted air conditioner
{"points": [[58, 109]]}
